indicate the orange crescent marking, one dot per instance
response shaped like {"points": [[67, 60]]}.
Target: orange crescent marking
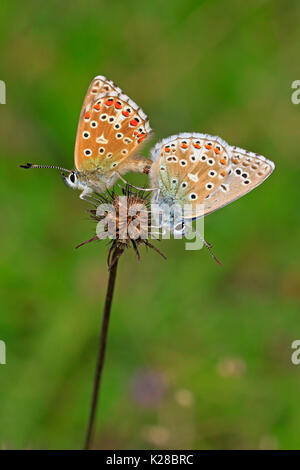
{"points": [[141, 137]]}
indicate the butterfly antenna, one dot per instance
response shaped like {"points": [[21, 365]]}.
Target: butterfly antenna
{"points": [[209, 246], [30, 165]]}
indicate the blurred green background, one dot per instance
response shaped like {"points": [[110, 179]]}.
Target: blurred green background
{"points": [[198, 357]]}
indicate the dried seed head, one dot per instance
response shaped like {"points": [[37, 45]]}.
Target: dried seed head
{"points": [[123, 219]]}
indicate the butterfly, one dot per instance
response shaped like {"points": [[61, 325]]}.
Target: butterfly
{"points": [[199, 169], [111, 129]]}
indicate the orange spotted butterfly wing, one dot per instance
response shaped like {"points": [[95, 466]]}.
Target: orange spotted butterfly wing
{"points": [[98, 86], [111, 128], [201, 169]]}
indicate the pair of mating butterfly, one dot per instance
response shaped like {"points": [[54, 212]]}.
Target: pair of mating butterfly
{"points": [[188, 168]]}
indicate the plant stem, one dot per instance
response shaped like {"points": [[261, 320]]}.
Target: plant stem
{"points": [[102, 347]]}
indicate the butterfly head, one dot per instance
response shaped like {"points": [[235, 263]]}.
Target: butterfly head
{"points": [[71, 179], [179, 228], [168, 214], [76, 180]]}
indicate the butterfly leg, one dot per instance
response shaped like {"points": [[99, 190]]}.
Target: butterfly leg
{"points": [[85, 192], [209, 246], [86, 195], [132, 186]]}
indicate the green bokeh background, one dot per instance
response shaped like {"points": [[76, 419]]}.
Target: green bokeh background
{"points": [[215, 342]]}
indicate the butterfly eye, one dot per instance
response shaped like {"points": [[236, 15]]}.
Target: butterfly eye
{"points": [[179, 227], [72, 178]]}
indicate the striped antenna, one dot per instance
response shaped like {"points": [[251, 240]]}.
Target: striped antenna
{"points": [[30, 165]]}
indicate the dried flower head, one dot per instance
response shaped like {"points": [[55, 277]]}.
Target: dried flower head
{"points": [[123, 219]]}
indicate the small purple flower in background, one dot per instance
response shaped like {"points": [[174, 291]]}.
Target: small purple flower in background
{"points": [[148, 388]]}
